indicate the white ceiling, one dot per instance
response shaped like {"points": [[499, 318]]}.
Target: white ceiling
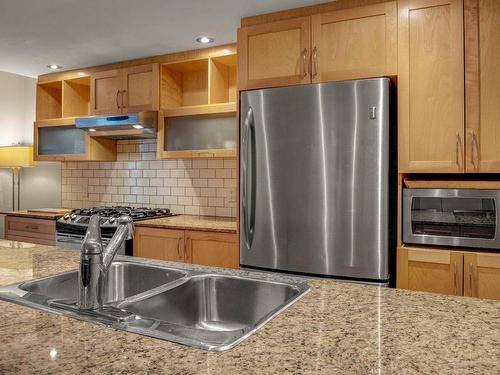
{"points": [[79, 33]]}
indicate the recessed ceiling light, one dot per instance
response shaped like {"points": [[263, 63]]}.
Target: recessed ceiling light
{"points": [[137, 126], [54, 66], [204, 40], [91, 130]]}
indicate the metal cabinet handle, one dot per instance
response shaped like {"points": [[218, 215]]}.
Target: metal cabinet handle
{"points": [[455, 277], [188, 249], [123, 97], [457, 147], [304, 63], [315, 61], [116, 99], [471, 279], [179, 248], [473, 146]]}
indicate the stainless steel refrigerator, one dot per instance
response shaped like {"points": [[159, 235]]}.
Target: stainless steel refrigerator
{"points": [[314, 183]]}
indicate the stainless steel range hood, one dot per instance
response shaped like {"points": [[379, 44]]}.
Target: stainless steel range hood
{"points": [[122, 126]]}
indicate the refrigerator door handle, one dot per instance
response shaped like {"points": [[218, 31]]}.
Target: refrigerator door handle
{"points": [[248, 177]]}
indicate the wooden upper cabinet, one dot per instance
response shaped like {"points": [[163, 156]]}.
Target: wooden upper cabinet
{"points": [[482, 73], [164, 244], [431, 86], [125, 90], [140, 88], [482, 275], [105, 92], [274, 54], [355, 43], [436, 271]]}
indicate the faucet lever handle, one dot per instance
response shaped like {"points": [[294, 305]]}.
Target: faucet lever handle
{"points": [[127, 220]]}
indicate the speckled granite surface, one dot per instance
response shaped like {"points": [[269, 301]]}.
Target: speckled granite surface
{"points": [[216, 224], [32, 215], [338, 328]]}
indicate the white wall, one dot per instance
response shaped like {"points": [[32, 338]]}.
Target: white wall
{"points": [[41, 185]]}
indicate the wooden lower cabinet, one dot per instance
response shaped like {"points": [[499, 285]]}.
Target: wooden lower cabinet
{"points": [[447, 271], [437, 271], [482, 275], [197, 247], [39, 231], [164, 244], [212, 249]]}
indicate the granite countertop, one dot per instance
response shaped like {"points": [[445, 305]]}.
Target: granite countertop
{"points": [[34, 215], [192, 222], [337, 328]]}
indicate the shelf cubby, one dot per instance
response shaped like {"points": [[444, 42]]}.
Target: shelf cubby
{"points": [[49, 100], [184, 84], [222, 79], [76, 97]]}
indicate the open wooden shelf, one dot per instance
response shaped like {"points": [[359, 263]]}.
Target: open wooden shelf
{"points": [[205, 109], [76, 97], [63, 99], [222, 79], [184, 84], [49, 100]]}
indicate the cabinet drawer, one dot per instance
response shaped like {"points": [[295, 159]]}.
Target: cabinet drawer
{"points": [[30, 228]]}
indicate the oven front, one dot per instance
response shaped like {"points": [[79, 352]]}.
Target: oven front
{"points": [[451, 217], [73, 239]]}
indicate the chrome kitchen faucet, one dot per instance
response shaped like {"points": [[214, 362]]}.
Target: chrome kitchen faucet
{"points": [[96, 261]]}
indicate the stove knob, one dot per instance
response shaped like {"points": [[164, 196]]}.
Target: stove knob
{"points": [[111, 220], [66, 216], [73, 217]]}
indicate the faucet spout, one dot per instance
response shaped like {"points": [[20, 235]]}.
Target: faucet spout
{"points": [[124, 232], [95, 262]]}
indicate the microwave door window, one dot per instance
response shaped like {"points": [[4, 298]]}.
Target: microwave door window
{"points": [[454, 217]]}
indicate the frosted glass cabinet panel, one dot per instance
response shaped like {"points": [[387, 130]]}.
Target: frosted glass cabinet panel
{"points": [[61, 140], [200, 136]]}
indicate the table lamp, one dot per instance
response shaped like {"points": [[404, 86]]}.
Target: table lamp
{"points": [[15, 158]]}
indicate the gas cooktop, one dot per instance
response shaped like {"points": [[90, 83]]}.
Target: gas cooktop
{"points": [[109, 215]]}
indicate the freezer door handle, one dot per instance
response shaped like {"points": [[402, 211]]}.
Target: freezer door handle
{"points": [[248, 167]]}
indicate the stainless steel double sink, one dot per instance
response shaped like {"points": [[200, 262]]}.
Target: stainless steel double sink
{"points": [[211, 311]]}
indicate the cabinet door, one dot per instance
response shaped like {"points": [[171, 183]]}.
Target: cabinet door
{"points": [[482, 275], [482, 73], [140, 88], [426, 270], [431, 86], [163, 244], [274, 54], [212, 249], [355, 43], [105, 92]]}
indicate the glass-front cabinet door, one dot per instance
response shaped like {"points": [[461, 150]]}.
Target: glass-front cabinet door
{"points": [[63, 141]]}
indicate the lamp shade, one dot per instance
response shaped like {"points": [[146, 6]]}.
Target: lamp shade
{"points": [[16, 156]]}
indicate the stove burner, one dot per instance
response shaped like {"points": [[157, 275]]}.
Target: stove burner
{"points": [[136, 214]]}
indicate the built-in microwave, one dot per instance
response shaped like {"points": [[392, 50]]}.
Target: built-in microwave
{"points": [[451, 217]]}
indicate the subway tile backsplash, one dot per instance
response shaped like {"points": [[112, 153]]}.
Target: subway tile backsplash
{"points": [[193, 187]]}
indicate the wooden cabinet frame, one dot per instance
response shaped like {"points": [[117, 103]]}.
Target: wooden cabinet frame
{"points": [[39, 231], [475, 48], [120, 102], [95, 148], [448, 77], [191, 246], [300, 65], [361, 14], [471, 274]]}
